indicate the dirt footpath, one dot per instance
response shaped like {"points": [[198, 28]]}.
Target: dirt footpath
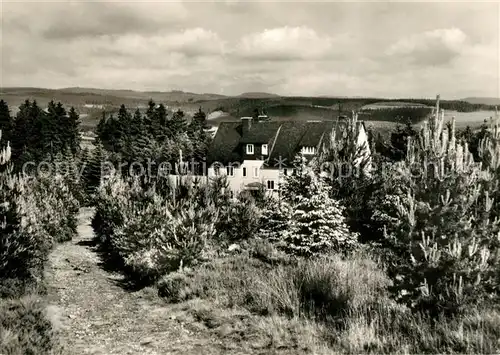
{"points": [[98, 316]]}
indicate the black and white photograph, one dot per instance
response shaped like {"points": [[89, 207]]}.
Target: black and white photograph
{"points": [[249, 177]]}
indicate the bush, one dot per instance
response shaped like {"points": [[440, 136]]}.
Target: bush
{"points": [[25, 242], [148, 233], [238, 220], [26, 327], [58, 208], [176, 287], [35, 213]]}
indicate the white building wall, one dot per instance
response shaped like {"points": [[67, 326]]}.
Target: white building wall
{"points": [[238, 181]]}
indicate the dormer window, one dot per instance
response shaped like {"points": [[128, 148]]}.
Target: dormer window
{"points": [[264, 149], [308, 150], [249, 148]]}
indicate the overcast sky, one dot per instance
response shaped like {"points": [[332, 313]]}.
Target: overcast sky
{"points": [[290, 48]]}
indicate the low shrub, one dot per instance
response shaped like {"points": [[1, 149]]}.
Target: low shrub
{"points": [[24, 242], [238, 220], [26, 327], [176, 287], [148, 233], [58, 208]]}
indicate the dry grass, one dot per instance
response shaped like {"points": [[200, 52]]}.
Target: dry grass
{"points": [[316, 306], [28, 326]]}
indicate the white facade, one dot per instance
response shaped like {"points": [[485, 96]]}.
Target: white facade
{"points": [[250, 171], [254, 171]]}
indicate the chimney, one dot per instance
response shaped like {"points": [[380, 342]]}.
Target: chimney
{"points": [[247, 121]]}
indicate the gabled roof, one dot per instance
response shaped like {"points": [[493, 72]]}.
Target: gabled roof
{"points": [[295, 135], [223, 148], [259, 132], [285, 139]]}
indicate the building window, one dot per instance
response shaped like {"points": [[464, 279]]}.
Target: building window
{"points": [[255, 172], [308, 150], [216, 170], [264, 149], [249, 148], [230, 170], [244, 171], [270, 184], [285, 172]]}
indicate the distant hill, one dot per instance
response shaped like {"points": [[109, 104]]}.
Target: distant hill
{"points": [[257, 95], [483, 100], [91, 102], [168, 96], [391, 104]]}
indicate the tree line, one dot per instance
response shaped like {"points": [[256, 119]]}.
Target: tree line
{"points": [[154, 134], [35, 134]]}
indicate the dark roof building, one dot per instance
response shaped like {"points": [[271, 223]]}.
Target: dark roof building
{"points": [[284, 139]]}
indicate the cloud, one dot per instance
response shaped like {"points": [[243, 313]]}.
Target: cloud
{"points": [[371, 49], [285, 43], [70, 20], [436, 47], [191, 42]]}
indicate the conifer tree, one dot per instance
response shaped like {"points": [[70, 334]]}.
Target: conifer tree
{"points": [[438, 207], [296, 184], [150, 120], [6, 121], [348, 169], [92, 172], [74, 138], [177, 124], [198, 135], [160, 127], [22, 131], [137, 124], [317, 224], [101, 130], [199, 121]]}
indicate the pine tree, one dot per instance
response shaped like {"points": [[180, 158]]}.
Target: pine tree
{"points": [[92, 172], [40, 144], [199, 121], [177, 124], [101, 130], [438, 207], [399, 141], [316, 223], [150, 119], [23, 127], [6, 121], [348, 168], [160, 129], [296, 185], [137, 124], [74, 138]]}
